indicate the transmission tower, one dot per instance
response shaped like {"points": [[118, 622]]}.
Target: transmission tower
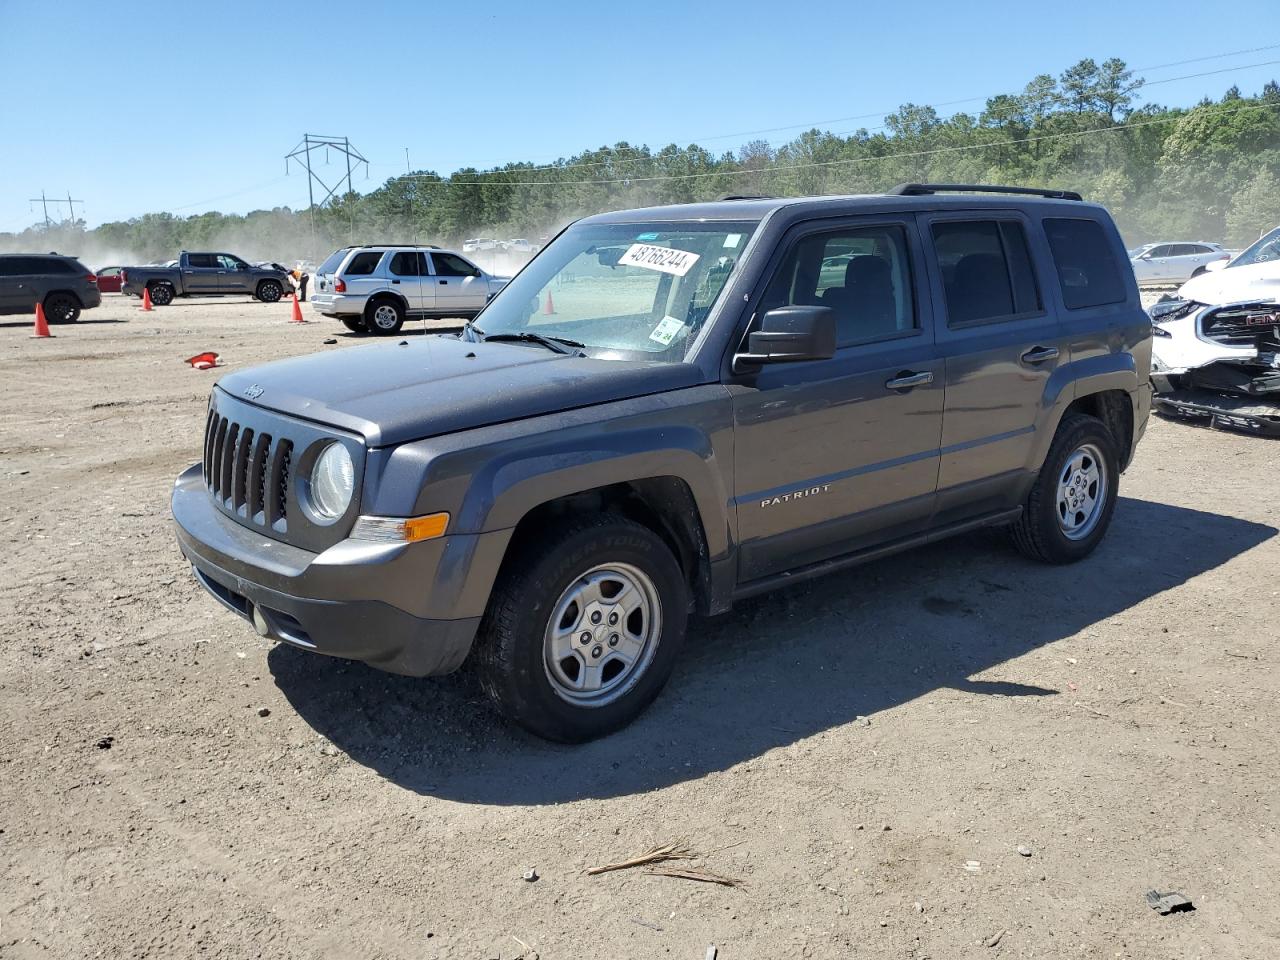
{"points": [[44, 206], [302, 154]]}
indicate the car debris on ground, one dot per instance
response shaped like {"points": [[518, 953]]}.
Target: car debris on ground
{"points": [[1167, 903]]}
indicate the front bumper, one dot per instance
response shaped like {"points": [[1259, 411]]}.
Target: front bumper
{"points": [[1247, 414], [349, 601]]}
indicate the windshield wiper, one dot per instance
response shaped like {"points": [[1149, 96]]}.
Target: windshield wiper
{"points": [[558, 344]]}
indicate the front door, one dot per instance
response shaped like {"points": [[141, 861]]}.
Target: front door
{"points": [[458, 285], [1002, 348], [832, 456], [200, 274], [233, 275]]}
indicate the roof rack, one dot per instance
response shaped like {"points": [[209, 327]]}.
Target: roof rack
{"points": [[924, 189], [746, 196]]}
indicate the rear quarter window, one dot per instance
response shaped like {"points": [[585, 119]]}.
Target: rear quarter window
{"points": [[333, 260], [363, 263], [1087, 269]]}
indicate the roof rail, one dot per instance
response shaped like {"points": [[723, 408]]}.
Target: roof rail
{"points": [[924, 189], [745, 196]]}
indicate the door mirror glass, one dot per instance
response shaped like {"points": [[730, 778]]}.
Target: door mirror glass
{"points": [[789, 334]]}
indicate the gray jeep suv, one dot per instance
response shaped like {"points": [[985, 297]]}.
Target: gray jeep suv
{"points": [[62, 285], [725, 398]]}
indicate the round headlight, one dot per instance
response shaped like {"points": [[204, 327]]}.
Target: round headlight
{"points": [[333, 481]]}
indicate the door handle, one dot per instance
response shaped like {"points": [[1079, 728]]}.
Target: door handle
{"points": [[907, 380], [445, 282], [395, 281], [1039, 355]]}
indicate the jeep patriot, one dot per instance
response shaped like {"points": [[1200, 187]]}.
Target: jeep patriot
{"points": [[722, 398]]}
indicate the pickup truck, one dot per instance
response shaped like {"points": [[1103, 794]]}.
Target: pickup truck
{"points": [[206, 275], [724, 398]]}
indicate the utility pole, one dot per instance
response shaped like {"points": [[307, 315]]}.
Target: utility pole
{"points": [[302, 154]]}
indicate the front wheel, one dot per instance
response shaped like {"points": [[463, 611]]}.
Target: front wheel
{"points": [[270, 291], [1070, 506], [384, 317], [583, 628]]}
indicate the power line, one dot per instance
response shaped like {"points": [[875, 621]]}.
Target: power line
{"points": [[851, 160], [882, 113]]}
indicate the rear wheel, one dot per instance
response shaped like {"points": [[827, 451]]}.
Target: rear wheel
{"points": [[384, 317], [270, 291], [61, 308], [1071, 503], [355, 324], [1195, 273], [161, 294], [583, 628]]}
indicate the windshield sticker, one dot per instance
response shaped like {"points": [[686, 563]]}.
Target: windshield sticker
{"points": [[662, 259], [666, 330], [732, 241], [646, 237]]}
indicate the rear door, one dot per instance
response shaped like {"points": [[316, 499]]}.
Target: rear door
{"points": [[833, 456], [1001, 346], [459, 285], [408, 275], [200, 273]]}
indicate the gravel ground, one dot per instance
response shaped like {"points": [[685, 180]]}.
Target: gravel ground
{"points": [[172, 785]]}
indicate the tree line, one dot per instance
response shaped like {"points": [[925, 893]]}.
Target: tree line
{"points": [[1207, 172]]}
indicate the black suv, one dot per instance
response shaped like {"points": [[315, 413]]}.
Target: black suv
{"points": [[669, 410], [63, 285]]}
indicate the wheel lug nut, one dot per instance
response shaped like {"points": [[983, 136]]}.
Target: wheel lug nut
{"points": [[595, 616], [585, 638], [613, 618], [596, 651], [613, 640]]}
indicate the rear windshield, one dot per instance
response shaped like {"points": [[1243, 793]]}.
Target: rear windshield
{"points": [[363, 264], [331, 262]]}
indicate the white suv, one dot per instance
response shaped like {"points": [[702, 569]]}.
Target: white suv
{"points": [[374, 288], [1173, 263]]}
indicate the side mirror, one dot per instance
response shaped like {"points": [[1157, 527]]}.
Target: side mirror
{"points": [[1145, 256], [788, 334]]}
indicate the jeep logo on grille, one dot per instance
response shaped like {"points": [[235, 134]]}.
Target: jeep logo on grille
{"points": [[253, 392]]}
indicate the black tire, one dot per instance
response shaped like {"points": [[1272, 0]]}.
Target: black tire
{"points": [[61, 308], [270, 291], [161, 294], [355, 324], [510, 658], [384, 316], [1039, 532]]}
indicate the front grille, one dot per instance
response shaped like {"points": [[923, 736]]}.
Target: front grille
{"points": [[247, 471], [1243, 326]]}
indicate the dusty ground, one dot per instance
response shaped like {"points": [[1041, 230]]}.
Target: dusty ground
{"points": [[1117, 717]]}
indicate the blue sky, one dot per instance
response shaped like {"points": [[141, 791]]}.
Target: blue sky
{"points": [[142, 107]]}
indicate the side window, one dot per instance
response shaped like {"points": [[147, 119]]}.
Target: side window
{"points": [[363, 263], [226, 262], [986, 270], [203, 261], [1164, 250], [450, 265], [863, 274], [1086, 269], [408, 263]]}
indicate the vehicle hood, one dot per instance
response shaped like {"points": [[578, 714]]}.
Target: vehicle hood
{"points": [[412, 389], [1257, 281]]}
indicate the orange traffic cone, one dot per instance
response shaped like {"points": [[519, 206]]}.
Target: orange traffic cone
{"points": [[549, 307], [297, 311], [42, 325], [146, 298]]}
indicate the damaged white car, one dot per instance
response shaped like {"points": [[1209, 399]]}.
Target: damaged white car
{"points": [[1215, 353]]}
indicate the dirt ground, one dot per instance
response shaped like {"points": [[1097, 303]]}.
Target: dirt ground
{"points": [[844, 747]]}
